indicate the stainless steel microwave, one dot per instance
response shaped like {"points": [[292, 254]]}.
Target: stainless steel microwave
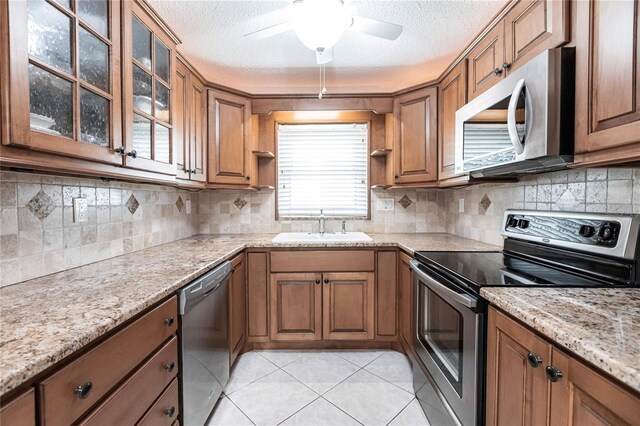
{"points": [[523, 124]]}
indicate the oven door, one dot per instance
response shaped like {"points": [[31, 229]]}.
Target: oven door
{"points": [[449, 343]]}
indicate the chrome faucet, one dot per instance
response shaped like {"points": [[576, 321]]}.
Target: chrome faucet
{"points": [[321, 222]]}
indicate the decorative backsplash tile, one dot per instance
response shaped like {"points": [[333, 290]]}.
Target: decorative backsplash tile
{"points": [[132, 204], [41, 205], [240, 203], [38, 235], [485, 203], [405, 201], [179, 203]]}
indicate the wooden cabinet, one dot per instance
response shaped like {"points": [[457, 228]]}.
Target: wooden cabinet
{"points": [[516, 390], [387, 295], [520, 390], [582, 396], [63, 78], [406, 302], [607, 81], [530, 27], [453, 95], [149, 61], [190, 125], [229, 158], [165, 410], [21, 411], [416, 137], [348, 305], [72, 390], [485, 61], [237, 307], [257, 296], [296, 306]]}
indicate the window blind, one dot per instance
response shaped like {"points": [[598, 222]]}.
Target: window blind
{"points": [[323, 166]]}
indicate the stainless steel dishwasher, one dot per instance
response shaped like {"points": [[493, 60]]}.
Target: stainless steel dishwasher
{"points": [[204, 344]]}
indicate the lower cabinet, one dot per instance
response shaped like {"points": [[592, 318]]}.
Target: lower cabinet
{"points": [[530, 381], [237, 308], [21, 411], [322, 306]]}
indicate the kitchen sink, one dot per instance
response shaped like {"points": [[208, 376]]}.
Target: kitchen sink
{"points": [[327, 237]]}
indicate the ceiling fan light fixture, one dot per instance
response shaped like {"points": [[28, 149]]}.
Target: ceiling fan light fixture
{"points": [[319, 24]]}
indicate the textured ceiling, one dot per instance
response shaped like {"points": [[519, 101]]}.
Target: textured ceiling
{"points": [[212, 35]]}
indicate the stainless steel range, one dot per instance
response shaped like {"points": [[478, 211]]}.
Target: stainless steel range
{"points": [[541, 249]]}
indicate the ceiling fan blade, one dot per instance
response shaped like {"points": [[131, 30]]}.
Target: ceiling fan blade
{"points": [[324, 57], [375, 28], [270, 31]]}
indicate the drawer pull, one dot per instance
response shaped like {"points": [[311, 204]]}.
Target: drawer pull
{"points": [[168, 321], [83, 390], [169, 366], [170, 411]]}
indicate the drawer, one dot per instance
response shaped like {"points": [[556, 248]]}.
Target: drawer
{"points": [[105, 365], [21, 411], [322, 261], [165, 410], [130, 401]]}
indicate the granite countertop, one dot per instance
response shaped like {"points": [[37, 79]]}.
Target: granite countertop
{"points": [[46, 319], [601, 326]]}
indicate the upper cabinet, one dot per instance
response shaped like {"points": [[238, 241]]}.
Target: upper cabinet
{"points": [[64, 73], [189, 125], [149, 62], [416, 137], [453, 95], [229, 158], [529, 28], [607, 81]]}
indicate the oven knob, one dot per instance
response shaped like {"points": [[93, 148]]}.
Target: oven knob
{"points": [[586, 231], [606, 233], [512, 222], [523, 223]]}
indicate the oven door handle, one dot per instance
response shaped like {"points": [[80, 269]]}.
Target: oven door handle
{"points": [[434, 285]]}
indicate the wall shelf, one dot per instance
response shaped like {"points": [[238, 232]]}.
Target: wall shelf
{"points": [[263, 154], [381, 152]]}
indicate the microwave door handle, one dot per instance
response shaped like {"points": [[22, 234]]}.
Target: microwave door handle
{"points": [[511, 118], [443, 290]]}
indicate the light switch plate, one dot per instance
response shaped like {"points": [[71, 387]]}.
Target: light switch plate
{"points": [[79, 210], [461, 205], [187, 205], [385, 204]]}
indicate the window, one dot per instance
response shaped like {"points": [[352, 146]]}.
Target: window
{"points": [[323, 166]]}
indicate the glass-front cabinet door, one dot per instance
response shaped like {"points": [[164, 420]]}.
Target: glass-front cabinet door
{"points": [[64, 77], [149, 63]]}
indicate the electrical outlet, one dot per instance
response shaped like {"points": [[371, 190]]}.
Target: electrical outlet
{"points": [[79, 210], [385, 204], [461, 205], [187, 205]]}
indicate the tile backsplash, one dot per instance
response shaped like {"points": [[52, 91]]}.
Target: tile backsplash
{"points": [[229, 212], [38, 235], [602, 190]]}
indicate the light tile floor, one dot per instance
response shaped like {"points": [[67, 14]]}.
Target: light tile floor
{"points": [[315, 388]]}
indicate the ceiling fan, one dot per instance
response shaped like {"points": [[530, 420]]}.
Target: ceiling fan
{"points": [[319, 24]]}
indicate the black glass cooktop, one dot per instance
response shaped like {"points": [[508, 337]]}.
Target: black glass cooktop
{"points": [[489, 269]]}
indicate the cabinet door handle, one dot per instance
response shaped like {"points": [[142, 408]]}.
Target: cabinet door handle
{"points": [[83, 390], [169, 366], [170, 411], [248, 177], [121, 150], [534, 360], [317, 280], [326, 280], [506, 66], [168, 321], [497, 71], [194, 172], [396, 176], [133, 153], [553, 374]]}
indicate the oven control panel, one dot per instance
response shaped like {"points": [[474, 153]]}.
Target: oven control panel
{"points": [[593, 232]]}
